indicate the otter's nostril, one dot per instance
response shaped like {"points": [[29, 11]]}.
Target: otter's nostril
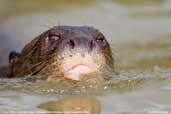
{"points": [[92, 45], [72, 44]]}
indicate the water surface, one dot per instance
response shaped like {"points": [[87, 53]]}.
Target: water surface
{"points": [[140, 39]]}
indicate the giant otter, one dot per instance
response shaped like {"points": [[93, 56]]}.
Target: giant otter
{"points": [[63, 52]]}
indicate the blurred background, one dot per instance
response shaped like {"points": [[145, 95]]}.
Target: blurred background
{"points": [[138, 30]]}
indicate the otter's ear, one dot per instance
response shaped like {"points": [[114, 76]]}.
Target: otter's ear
{"points": [[13, 57]]}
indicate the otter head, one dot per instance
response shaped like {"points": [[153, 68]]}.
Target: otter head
{"points": [[64, 51]]}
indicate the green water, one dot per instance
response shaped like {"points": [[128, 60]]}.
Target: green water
{"points": [[139, 34], [145, 55], [139, 2]]}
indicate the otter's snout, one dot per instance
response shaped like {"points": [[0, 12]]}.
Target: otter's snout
{"points": [[77, 42]]}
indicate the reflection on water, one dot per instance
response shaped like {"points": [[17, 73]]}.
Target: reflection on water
{"points": [[147, 91], [74, 104], [140, 36]]}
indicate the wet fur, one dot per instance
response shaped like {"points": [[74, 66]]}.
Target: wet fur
{"points": [[32, 59]]}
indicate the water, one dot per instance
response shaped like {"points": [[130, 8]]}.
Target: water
{"points": [[129, 92], [140, 38]]}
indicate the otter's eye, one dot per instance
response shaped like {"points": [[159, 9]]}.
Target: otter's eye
{"points": [[100, 40], [53, 37]]}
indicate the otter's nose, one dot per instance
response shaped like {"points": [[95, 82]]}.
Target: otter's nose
{"points": [[71, 43], [92, 44], [81, 41]]}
